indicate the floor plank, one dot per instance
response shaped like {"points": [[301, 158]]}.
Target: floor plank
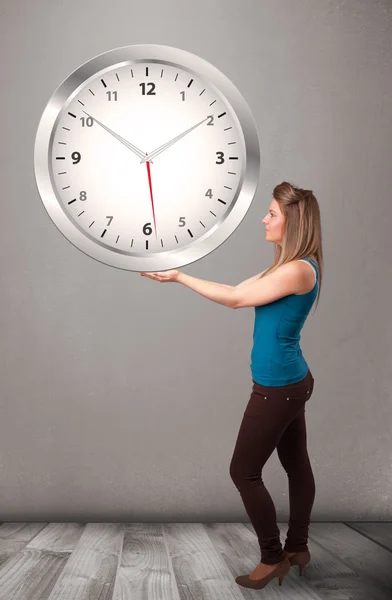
{"points": [[145, 570], [91, 569]]}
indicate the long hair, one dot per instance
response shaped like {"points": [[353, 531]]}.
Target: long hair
{"points": [[302, 229]]}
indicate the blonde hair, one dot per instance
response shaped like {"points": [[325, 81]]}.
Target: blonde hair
{"points": [[302, 228]]}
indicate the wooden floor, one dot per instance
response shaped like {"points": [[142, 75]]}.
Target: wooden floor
{"points": [[192, 561]]}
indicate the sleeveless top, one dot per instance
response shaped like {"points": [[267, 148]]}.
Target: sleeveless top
{"points": [[276, 357]]}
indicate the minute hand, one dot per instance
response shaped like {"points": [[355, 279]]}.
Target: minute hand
{"points": [[154, 153], [134, 149]]}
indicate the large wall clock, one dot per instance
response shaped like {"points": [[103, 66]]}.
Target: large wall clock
{"points": [[147, 157]]}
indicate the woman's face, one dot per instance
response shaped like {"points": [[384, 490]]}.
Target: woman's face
{"points": [[274, 223]]}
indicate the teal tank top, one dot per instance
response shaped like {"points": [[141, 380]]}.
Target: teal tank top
{"points": [[276, 357]]}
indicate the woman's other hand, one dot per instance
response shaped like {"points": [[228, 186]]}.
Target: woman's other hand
{"points": [[162, 276]]}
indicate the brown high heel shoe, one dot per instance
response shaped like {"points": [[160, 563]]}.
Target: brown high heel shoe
{"points": [[282, 569], [301, 559]]}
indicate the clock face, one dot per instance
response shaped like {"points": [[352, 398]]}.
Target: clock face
{"points": [[147, 158]]}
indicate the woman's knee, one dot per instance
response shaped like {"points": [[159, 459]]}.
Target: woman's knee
{"points": [[233, 470], [236, 471], [242, 475]]}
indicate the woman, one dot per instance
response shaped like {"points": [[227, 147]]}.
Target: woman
{"points": [[274, 417]]}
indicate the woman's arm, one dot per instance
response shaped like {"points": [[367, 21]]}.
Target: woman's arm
{"points": [[250, 279], [217, 292]]}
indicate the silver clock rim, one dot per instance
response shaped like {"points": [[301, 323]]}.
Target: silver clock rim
{"points": [[154, 261]]}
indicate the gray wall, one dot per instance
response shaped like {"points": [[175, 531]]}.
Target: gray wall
{"points": [[121, 397]]}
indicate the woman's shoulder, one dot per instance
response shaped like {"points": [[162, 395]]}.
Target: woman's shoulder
{"points": [[309, 272], [308, 259]]}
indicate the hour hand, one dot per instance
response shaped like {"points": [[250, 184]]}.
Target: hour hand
{"points": [[134, 149], [170, 143]]}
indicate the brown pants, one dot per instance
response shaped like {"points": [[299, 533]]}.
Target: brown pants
{"points": [[275, 418]]}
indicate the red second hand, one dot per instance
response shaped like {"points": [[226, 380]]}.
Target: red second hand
{"points": [[152, 199]]}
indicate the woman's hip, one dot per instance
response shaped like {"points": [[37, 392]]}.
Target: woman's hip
{"points": [[289, 397]]}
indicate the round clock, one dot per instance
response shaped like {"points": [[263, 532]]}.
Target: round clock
{"points": [[147, 157]]}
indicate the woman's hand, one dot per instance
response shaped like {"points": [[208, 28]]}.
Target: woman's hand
{"points": [[162, 276]]}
